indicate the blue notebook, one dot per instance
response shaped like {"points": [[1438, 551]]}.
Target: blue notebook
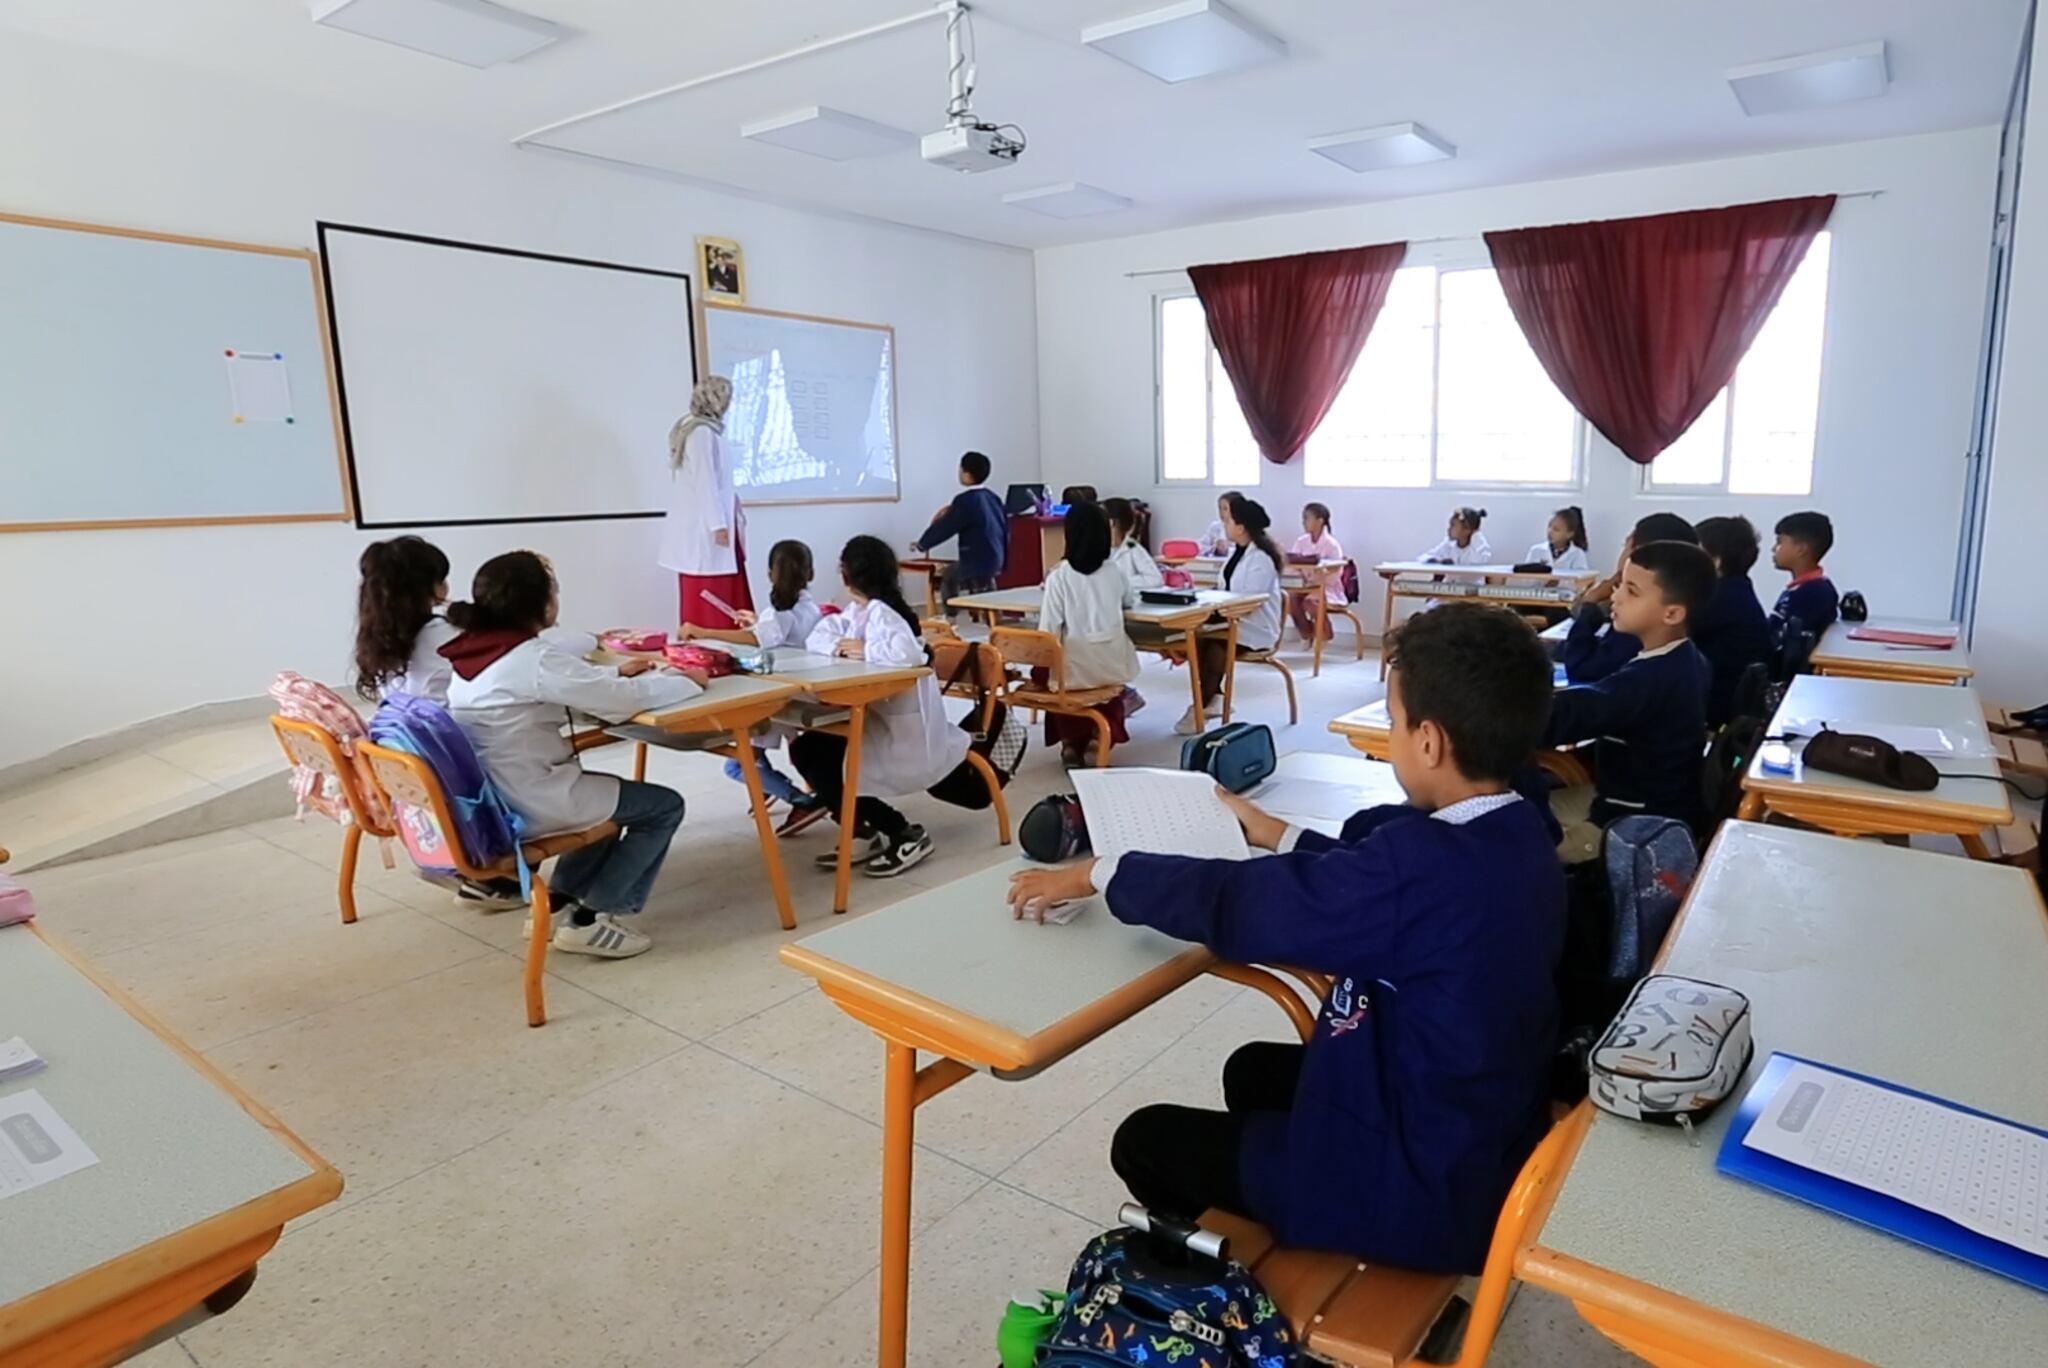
{"points": [[1880, 1211]]}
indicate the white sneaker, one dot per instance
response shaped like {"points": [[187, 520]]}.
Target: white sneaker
{"points": [[1190, 723], [605, 938], [865, 848], [1215, 708], [1134, 702], [556, 919], [909, 849]]}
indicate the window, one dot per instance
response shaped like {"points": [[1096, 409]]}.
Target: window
{"points": [[1446, 392], [1757, 435], [1202, 433]]}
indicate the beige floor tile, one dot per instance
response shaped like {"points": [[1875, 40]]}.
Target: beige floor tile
{"points": [[689, 1213], [1543, 1331], [962, 1272], [169, 1354], [387, 1085], [982, 1122], [87, 798], [224, 752], [232, 979]]}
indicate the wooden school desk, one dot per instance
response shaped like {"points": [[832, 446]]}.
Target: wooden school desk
{"points": [[1294, 579], [194, 1183], [1839, 653], [933, 568], [1368, 730], [1912, 967], [1164, 619], [1499, 584], [1959, 807]]}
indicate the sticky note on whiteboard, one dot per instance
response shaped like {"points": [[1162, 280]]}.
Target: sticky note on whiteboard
{"points": [[259, 387]]}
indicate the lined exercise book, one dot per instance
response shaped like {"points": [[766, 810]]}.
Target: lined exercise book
{"points": [[1157, 812]]}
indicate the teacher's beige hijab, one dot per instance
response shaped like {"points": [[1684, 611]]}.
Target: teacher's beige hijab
{"points": [[708, 403]]}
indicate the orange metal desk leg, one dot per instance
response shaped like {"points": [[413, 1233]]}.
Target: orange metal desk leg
{"points": [[771, 849], [1973, 845], [842, 886], [1194, 635], [899, 1133], [1386, 627], [1752, 808]]}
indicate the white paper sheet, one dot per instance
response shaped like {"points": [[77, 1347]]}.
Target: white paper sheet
{"points": [[1157, 812], [36, 1147], [259, 387], [1985, 1175], [1310, 798]]}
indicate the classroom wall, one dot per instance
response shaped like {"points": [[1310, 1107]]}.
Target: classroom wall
{"points": [[1905, 305], [108, 628]]}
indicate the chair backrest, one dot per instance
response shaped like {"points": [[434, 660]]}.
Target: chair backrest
{"points": [[1795, 652], [970, 669], [1728, 757], [409, 779], [1176, 549], [1751, 686], [310, 747], [1030, 647]]}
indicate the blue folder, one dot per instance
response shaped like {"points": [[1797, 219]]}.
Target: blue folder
{"points": [[1889, 1214]]}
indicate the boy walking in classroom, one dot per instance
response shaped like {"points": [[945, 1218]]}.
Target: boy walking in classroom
{"points": [[1396, 1132], [1810, 600], [977, 518]]}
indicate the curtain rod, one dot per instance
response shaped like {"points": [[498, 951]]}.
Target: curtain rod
{"points": [[1449, 237]]}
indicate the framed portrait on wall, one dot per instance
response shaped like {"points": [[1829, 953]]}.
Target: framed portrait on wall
{"points": [[722, 269]]}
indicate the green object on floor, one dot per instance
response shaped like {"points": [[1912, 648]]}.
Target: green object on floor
{"points": [[1027, 1321]]}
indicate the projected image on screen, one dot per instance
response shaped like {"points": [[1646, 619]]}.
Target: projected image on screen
{"points": [[813, 406]]}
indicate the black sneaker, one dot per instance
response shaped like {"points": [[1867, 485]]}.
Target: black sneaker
{"points": [[909, 849], [865, 847], [493, 895]]}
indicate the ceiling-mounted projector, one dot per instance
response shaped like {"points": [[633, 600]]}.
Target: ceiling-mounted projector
{"points": [[968, 143]]}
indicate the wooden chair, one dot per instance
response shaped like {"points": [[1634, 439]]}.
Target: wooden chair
{"points": [[1031, 648], [982, 681], [313, 746], [1249, 657], [409, 779]]}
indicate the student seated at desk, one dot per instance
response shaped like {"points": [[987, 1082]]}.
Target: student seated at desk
{"points": [[977, 518], [1463, 543], [1732, 633], [399, 632], [1253, 568], [1594, 649], [1314, 546], [1125, 550], [511, 694], [1809, 602], [1650, 716], [907, 744], [1564, 542], [1216, 540], [1397, 1131], [1084, 601]]}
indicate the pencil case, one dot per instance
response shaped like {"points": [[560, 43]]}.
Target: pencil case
{"points": [[630, 643], [15, 903], [1674, 1051]]}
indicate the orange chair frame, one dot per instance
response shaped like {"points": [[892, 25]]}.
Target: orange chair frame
{"points": [[311, 745], [1028, 646]]}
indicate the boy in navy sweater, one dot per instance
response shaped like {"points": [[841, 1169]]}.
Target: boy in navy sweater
{"points": [[1650, 716], [1809, 602], [1591, 653], [1732, 633], [977, 518], [1396, 1132]]}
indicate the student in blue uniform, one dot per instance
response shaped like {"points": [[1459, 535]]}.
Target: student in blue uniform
{"points": [[1593, 651], [1650, 716], [1810, 600], [1732, 633], [1396, 1132], [977, 518]]}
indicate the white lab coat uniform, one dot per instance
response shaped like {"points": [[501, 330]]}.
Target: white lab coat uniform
{"points": [[701, 504], [1574, 557], [1138, 566], [1216, 541], [1258, 630], [513, 713], [907, 744], [1086, 612], [427, 672], [1450, 553], [788, 626]]}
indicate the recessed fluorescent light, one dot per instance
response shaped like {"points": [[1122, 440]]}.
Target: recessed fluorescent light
{"points": [[1067, 200], [1383, 148], [1183, 41], [829, 133], [1818, 78], [473, 32]]}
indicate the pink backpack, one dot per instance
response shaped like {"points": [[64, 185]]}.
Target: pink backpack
{"points": [[308, 700]]}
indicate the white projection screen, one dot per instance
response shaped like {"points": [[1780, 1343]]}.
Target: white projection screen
{"points": [[485, 385]]}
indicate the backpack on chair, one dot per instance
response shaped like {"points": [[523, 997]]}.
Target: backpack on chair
{"points": [[1728, 755], [485, 824]]}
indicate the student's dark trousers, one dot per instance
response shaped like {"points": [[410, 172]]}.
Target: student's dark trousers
{"points": [[1181, 1161]]}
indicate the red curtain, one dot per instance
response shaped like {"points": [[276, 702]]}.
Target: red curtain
{"points": [[1288, 329], [1640, 322]]}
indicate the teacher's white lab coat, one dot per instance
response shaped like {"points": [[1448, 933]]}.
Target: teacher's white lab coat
{"points": [[701, 503], [906, 744]]}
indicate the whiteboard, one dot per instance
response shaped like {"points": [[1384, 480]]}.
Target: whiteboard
{"points": [[813, 414], [489, 385], [121, 357]]}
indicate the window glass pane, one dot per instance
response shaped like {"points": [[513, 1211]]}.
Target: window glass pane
{"points": [[1499, 419], [1237, 455], [1183, 390], [1695, 458], [1777, 388], [1378, 431]]}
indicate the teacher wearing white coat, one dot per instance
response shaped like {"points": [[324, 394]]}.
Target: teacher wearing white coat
{"points": [[702, 538]]}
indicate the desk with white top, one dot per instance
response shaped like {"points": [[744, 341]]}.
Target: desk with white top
{"points": [[1959, 806], [1912, 967], [1840, 653], [1295, 578], [1370, 731], [194, 1183], [1498, 584]]}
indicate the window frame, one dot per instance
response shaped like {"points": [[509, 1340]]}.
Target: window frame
{"points": [[1160, 479]]}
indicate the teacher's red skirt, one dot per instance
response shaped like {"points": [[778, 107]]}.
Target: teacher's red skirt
{"points": [[699, 591]]}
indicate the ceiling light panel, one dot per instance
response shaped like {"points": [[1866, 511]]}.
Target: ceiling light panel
{"points": [[1383, 148], [1811, 81], [833, 134], [1186, 41], [473, 32], [1068, 200]]}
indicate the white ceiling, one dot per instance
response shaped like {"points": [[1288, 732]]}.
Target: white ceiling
{"points": [[1526, 89]]}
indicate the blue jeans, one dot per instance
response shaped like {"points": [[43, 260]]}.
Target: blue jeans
{"points": [[616, 876], [774, 783]]}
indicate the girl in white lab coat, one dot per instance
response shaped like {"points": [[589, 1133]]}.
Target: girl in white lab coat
{"points": [[702, 538], [1083, 605], [1462, 543], [1253, 568], [907, 744], [1139, 568], [399, 634], [511, 693], [791, 618], [1216, 540], [1564, 542]]}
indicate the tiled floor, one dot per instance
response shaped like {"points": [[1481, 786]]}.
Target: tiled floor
{"points": [[682, 1168]]}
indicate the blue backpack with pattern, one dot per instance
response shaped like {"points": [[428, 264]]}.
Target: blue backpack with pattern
{"points": [[486, 825], [1126, 1305]]}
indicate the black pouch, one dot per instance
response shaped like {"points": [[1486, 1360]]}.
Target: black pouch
{"points": [[1872, 759]]}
